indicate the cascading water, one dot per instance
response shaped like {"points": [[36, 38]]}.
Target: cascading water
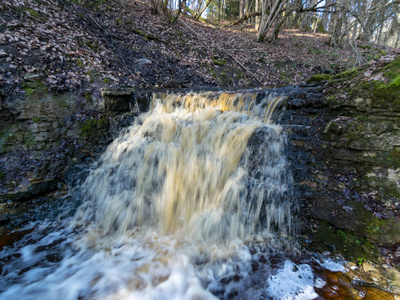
{"points": [[176, 209], [186, 171]]}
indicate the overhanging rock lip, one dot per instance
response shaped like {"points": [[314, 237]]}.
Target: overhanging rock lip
{"points": [[117, 91], [125, 99]]}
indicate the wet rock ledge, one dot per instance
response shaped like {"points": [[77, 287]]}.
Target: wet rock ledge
{"points": [[344, 145]]}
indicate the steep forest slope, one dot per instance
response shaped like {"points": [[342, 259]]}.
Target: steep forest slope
{"points": [[74, 44]]}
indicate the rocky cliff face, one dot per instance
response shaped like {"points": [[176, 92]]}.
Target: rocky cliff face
{"points": [[46, 139], [345, 150]]}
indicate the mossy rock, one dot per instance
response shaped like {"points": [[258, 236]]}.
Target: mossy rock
{"points": [[386, 188], [389, 159], [34, 90], [92, 128], [386, 94], [353, 216], [346, 75], [357, 235], [346, 243], [371, 94], [318, 78]]}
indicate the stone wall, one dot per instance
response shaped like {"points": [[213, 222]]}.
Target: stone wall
{"points": [[344, 144]]}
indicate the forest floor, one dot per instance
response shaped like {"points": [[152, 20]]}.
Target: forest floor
{"points": [[83, 45]]}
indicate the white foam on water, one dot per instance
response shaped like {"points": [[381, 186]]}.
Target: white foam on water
{"points": [[293, 282], [332, 265], [139, 265]]}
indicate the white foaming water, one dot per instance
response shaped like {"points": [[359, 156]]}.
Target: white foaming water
{"points": [[294, 282], [332, 265], [172, 209]]}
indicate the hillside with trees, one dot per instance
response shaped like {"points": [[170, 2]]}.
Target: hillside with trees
{"points": [[75, 44]]}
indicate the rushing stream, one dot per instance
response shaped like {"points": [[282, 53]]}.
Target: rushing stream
{"points": [[193, 201]]}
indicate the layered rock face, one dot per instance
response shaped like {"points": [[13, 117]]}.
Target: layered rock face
{"points": [[46, 139], [345, 150]]}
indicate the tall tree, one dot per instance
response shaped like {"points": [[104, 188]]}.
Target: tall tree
{"points": [[241, 9]]}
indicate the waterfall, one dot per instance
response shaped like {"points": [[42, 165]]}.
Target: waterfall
{"points": [[173, 206], [187, 168]]}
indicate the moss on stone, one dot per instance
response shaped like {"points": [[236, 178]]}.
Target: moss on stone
{"points": [[92, 127], [395, 82], [394, 158], [382, 231], [318, 78], [34, 90], [389, 159], [386, 94], [345, 242], [29, 140], [387, 189], [392, 69], [346, 75], [382, 94]]}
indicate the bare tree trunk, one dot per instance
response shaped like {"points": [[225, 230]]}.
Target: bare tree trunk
{"points": [[278, 27], [201, 10], [257, 18], [381, 23], [241, 9], [327, 15], [267, 21], [336, 33], [366, 35], [247, 7], [316, 22]]}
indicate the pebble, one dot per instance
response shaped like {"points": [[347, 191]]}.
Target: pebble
{"points": [[144, 61]]}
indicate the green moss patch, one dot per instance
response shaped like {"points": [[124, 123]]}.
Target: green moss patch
{"points": [[34, 90], [92, 128], [11, 139], [345, 242], [147, 37], [318, 78], [385, 93], [389, 159], [364, 47], [381, 89], [93, 74], [346, 75], [217, 62]]}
